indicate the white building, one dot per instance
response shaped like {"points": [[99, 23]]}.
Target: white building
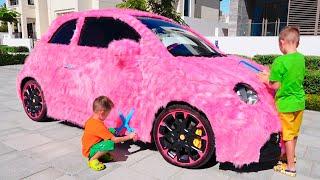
{"points": [[36, 15]]}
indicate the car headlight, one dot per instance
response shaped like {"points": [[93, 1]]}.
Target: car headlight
{"points": [[246, 93]]}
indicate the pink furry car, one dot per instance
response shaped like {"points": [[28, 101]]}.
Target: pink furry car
{"points": [[191, 99]]}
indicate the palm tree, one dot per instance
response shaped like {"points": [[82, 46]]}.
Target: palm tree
{"points": [[134, 4]]}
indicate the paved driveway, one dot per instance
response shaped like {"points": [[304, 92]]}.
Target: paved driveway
{"points": [[52, 150]]}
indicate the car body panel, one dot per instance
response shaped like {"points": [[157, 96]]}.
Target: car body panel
{"points": [[72, 76]]}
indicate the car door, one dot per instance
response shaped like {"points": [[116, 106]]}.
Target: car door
{"points": [[98, 71], [57, 51]]}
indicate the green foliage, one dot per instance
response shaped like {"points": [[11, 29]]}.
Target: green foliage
{"points": [[162, 7], [134, 4], [312, 82], [165, 8], [13, 49], [11, 59], [7, 15], [3, 27], [313, 102], [265, 59], [313, 62]]}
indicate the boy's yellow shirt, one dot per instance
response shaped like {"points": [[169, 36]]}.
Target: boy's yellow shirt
{"points": [[289, 70]]}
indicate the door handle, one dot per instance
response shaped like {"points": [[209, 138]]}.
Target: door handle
{"points": [[68, 66]]}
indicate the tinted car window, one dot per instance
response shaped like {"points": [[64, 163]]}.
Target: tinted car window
{"points": [[99, 32], [64, 34], [178, 40]]}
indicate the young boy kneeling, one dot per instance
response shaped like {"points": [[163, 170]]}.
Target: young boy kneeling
{"points": [[97, 140]]}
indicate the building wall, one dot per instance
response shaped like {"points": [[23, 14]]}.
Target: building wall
{"points": [[253, 45], [56, 7], [42, 21], [207, 9]]}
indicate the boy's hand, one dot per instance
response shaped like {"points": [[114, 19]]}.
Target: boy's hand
{"points": [[264, 76], [133, 136]]}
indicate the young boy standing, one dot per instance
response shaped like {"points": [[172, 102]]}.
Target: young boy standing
{"points": [[97, 140], [286, 76]]}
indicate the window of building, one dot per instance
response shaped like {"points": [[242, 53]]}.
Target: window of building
{"points": [[99, 32], [30, 2], [64, 34], [13, 2], [186, 7]]}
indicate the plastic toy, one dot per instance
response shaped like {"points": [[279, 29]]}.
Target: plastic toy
{"points": [[125, 122], [250, 66]]}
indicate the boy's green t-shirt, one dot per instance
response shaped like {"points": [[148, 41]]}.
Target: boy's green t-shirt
{"points": [[289, 70]]}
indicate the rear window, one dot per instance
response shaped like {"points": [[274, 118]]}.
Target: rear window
{"points": [[64, 33]]}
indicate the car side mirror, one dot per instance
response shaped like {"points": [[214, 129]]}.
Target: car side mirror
{"points": [[124, 48]]}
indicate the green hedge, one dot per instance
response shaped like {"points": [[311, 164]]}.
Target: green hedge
{"points": [[312, 62], [313, 102], [312, 82], [11, 59], [13, 49]]}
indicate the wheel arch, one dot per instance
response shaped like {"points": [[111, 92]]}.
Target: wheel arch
{"points": [[171, 103]]}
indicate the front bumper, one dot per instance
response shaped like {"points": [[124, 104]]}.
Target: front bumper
{"points": [[271, 150]]}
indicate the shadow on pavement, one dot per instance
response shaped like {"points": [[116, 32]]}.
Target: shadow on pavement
{"points": [[254, 167]]}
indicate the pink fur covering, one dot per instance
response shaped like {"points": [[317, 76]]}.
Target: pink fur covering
{"points": [[147, 79]]}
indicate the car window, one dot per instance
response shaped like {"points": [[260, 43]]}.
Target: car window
{"points": [[65, 32], [178, 40], [99, 32]]}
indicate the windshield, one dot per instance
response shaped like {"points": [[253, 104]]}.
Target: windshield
{"points": [[178, 41]]}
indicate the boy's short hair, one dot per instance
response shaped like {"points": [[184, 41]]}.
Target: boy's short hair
{"points": [[102, 103], [290, 34]]}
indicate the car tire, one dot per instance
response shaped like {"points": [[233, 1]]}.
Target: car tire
{"points": [[33, 101], [184, 136]]}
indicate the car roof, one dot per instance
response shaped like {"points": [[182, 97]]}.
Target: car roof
{"points": [[112, 11]]}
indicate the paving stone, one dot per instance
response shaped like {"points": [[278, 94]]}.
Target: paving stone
{"points": [[17, 166], [50, 151], [124, 173], [5, 149], [128, 154], [313, 153], [309, 140], [67, 177], [203, 174], [72, 163], [315, 170], [300, 151], [62, 133], [47, 174], [304, 167], [25, 142], [156, 167], [279, 176], [88, 173], [311, 131]]}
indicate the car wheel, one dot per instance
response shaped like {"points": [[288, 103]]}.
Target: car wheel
{"points": [[183, 136], [33, 101]]}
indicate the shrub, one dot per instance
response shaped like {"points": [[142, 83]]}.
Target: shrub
{"points": [[12, 49], [312, 82], [312, 62], [313, 102], [11, 59]]}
